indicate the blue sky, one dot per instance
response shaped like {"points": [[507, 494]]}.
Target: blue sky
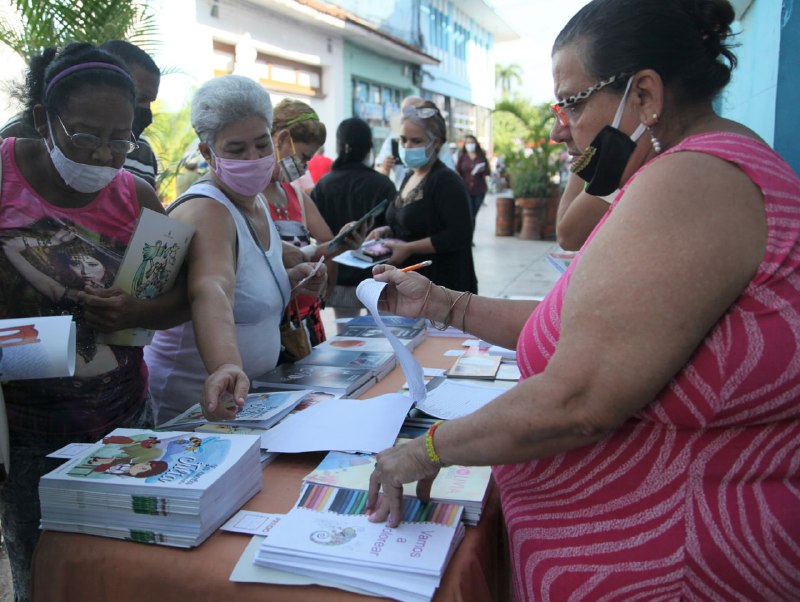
{"points": [[538, 23]]}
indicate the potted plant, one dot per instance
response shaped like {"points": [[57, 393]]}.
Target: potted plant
{"points": [[533, 171]]}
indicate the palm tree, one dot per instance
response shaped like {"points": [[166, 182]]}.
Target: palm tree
{"points": [[505, 76], [41, 24]]}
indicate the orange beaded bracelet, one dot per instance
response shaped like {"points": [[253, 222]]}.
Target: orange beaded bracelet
{"points": [[432, 455]]}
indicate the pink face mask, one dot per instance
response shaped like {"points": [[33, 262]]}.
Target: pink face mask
{"points": [[247, 177]]}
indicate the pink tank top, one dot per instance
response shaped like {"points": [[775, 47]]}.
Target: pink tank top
{"points": [[49, 254], [695, 497]]}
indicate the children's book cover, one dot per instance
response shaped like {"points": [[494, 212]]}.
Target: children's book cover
{"points": [[150, 266], [145, 459], [457, 484]]}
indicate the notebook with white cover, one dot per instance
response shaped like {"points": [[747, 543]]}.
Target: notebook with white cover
{"points": [[327, 534]]}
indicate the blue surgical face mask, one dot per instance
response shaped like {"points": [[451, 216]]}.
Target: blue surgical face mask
{"points": [[415, 157]]}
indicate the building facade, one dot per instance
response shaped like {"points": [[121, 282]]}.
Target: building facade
{"points": [[765, 86]]}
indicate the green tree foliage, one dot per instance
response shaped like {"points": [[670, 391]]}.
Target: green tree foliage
{"points": [[172, 137], [522, 135], [40, 24], [505, 76]]}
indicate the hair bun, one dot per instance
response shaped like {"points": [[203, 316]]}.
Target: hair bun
{"points": [[713, 19]]}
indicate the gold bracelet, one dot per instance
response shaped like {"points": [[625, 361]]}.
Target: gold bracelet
{"points": [[464, 315], [425, 300], [449, 317]]}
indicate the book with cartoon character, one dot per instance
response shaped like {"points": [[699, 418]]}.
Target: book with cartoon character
{"points": [[328, 535], [163, 487], [152, 260], [261, 410]]}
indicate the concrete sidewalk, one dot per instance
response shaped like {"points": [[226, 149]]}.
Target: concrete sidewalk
{"points": [[505, 265]]}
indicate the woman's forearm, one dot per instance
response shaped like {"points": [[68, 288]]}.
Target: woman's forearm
{"points": [[214, 328], [498, 321]]}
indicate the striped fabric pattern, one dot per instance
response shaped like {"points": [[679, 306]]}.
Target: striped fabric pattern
{"points": [[698, 496]]}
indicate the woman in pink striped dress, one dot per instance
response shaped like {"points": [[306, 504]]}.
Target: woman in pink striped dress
{"points": [[652, 449]]}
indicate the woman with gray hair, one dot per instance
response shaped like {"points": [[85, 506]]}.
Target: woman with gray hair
{"points": [[237, 283], [430, 218]]}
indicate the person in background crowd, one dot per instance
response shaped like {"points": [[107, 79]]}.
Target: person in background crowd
{"points": [[345, 195], [319, 165], [388, 160], [651, 449], [237, 282], [142, 160], [431, 216], [147, 76], [67, 212], [297, 133], [473, 167]]}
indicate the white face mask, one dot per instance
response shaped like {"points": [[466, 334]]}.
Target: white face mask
{"points": [[469, 147], [80, 176]]}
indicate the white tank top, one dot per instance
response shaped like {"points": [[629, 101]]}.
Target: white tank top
{"points": [[177, 372]]}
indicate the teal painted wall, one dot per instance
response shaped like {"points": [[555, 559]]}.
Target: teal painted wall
{"points": [[750, 97], [787, 111], [368, 65]]}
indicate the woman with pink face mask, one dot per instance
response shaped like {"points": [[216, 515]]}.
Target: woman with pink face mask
{"points": [[237, 283]]}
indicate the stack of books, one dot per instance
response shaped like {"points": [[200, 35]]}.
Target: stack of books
{"points": [[327, 535], [380, 363], [466, 486], [410, 331], [169, 488], [344, 382]]}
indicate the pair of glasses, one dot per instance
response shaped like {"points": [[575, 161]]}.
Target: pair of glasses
{"points": [[421, 112], [92, 142], [561, 108]]}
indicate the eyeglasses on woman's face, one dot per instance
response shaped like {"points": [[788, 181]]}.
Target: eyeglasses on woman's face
{"points": [[92, 142], [564, 110]]}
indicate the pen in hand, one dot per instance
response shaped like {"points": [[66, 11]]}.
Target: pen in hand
{"points": [[416, 266]]}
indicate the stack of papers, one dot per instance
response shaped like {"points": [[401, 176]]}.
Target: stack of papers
{"points": [[463, 485], [169, 488], [328, 536]]}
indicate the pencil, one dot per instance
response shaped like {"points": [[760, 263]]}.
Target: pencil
{"points": [[416, 266]]}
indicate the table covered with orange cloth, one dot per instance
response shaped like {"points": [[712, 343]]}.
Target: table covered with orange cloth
{"points": [[68, 566]]}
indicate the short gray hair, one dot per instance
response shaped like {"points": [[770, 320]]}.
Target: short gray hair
{"points": [[225, 100]]}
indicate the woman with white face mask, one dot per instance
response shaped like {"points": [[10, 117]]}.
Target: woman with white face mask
{"points": [[67, 212], [430, 219], [473, 167], [237, 283]]}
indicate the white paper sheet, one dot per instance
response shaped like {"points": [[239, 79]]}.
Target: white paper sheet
{"points": [[453, 400], [247, 572], [357, 425], [251, 523], [70, 450], [368, 292]]}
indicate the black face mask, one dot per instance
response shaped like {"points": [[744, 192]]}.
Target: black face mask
{"points": [[142, 117], [603, 162]]}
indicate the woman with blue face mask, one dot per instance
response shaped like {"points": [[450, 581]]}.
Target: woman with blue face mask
{"points": [[67, 213], [431, 217], [237, 282]]}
